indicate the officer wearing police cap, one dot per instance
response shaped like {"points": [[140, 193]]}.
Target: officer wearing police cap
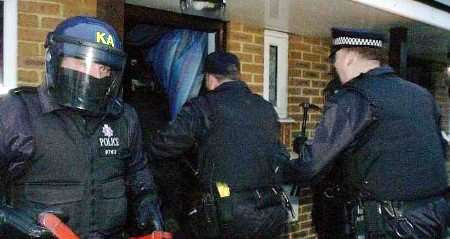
{"points": [[71, 146], [386, 133], [236, 134]]}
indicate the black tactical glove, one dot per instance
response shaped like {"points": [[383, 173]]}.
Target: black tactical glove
{"points": [[299, 142], [148, 215], [19, 222]]}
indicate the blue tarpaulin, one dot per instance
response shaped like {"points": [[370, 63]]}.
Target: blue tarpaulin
{"points": [[177, 60]]}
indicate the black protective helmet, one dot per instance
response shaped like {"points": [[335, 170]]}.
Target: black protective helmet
{"points": [[76, 51]]}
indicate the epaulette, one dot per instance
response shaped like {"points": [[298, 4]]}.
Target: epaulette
{"points": [[23, 89]]}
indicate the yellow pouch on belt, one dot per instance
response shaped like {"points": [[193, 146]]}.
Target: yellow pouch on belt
{"points": [[223, 189]]}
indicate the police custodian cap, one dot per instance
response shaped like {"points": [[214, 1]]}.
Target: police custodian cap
{"points": [[221, 63], [351, 37]]}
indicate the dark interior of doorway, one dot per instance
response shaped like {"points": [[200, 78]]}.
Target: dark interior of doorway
{"points": [[150, 101], [154, 110]]}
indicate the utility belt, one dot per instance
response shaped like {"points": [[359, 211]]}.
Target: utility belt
{"points": [[212, 215], [203, 218], [267, 197], [376, 219]]}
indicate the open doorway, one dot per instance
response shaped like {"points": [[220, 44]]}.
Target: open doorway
{"points": [[166, 51]]}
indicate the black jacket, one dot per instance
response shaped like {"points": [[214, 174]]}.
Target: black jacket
{"points": [[91, 167], [388, 132], [236, 135], [233, 129]]}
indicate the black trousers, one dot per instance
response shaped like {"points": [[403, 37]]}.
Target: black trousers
{"points": [[252, 223], [428, 220], [248, 222]]}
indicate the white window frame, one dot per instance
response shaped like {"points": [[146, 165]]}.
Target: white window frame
{"points": [[281, 41], [211, 42], [9, 46]]}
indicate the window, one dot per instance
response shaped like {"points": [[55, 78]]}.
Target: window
{"points": [[276, 70], [8, 45], [273, 63]]}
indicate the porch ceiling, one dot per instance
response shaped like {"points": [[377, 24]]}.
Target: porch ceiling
{"points": [[316, 17]]}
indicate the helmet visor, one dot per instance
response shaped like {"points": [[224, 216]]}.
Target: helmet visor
{"points": [[88, 75], [86, 84]]}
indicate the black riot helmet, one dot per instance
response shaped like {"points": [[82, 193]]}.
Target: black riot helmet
{"points": [[84, 64]]}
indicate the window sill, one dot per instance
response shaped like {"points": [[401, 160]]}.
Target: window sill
{"points": [[286, 120]]}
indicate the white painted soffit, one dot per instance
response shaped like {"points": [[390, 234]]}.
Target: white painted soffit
{"points": [[413, 10]]}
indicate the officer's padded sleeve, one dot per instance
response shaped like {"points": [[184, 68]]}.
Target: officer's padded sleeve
{"points": [[16, 144], [139, 178], [3, 159], [142, 192], [346, 116], [2, 142], [181, 134]]}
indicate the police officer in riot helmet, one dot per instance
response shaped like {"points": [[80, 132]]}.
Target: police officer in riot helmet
{"points": [[236, 134], [384, 134], [71, 147]]}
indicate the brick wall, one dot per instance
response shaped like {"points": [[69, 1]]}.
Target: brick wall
{"points": [[248, 44], [309, 73], [36, 19]]}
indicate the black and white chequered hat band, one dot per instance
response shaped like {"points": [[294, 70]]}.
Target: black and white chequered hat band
{"points": [[352, 41]]}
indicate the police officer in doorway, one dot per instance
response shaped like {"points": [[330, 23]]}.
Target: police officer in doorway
{"points": [[71, 147], [385, 133], [236, 133]]}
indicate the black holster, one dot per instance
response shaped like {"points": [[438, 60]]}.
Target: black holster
{"points": [[204, 218], [349, 219], [383, 218], [373, 220]]}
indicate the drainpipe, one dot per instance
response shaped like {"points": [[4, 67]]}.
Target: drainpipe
{"points": [[398, 50]]}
